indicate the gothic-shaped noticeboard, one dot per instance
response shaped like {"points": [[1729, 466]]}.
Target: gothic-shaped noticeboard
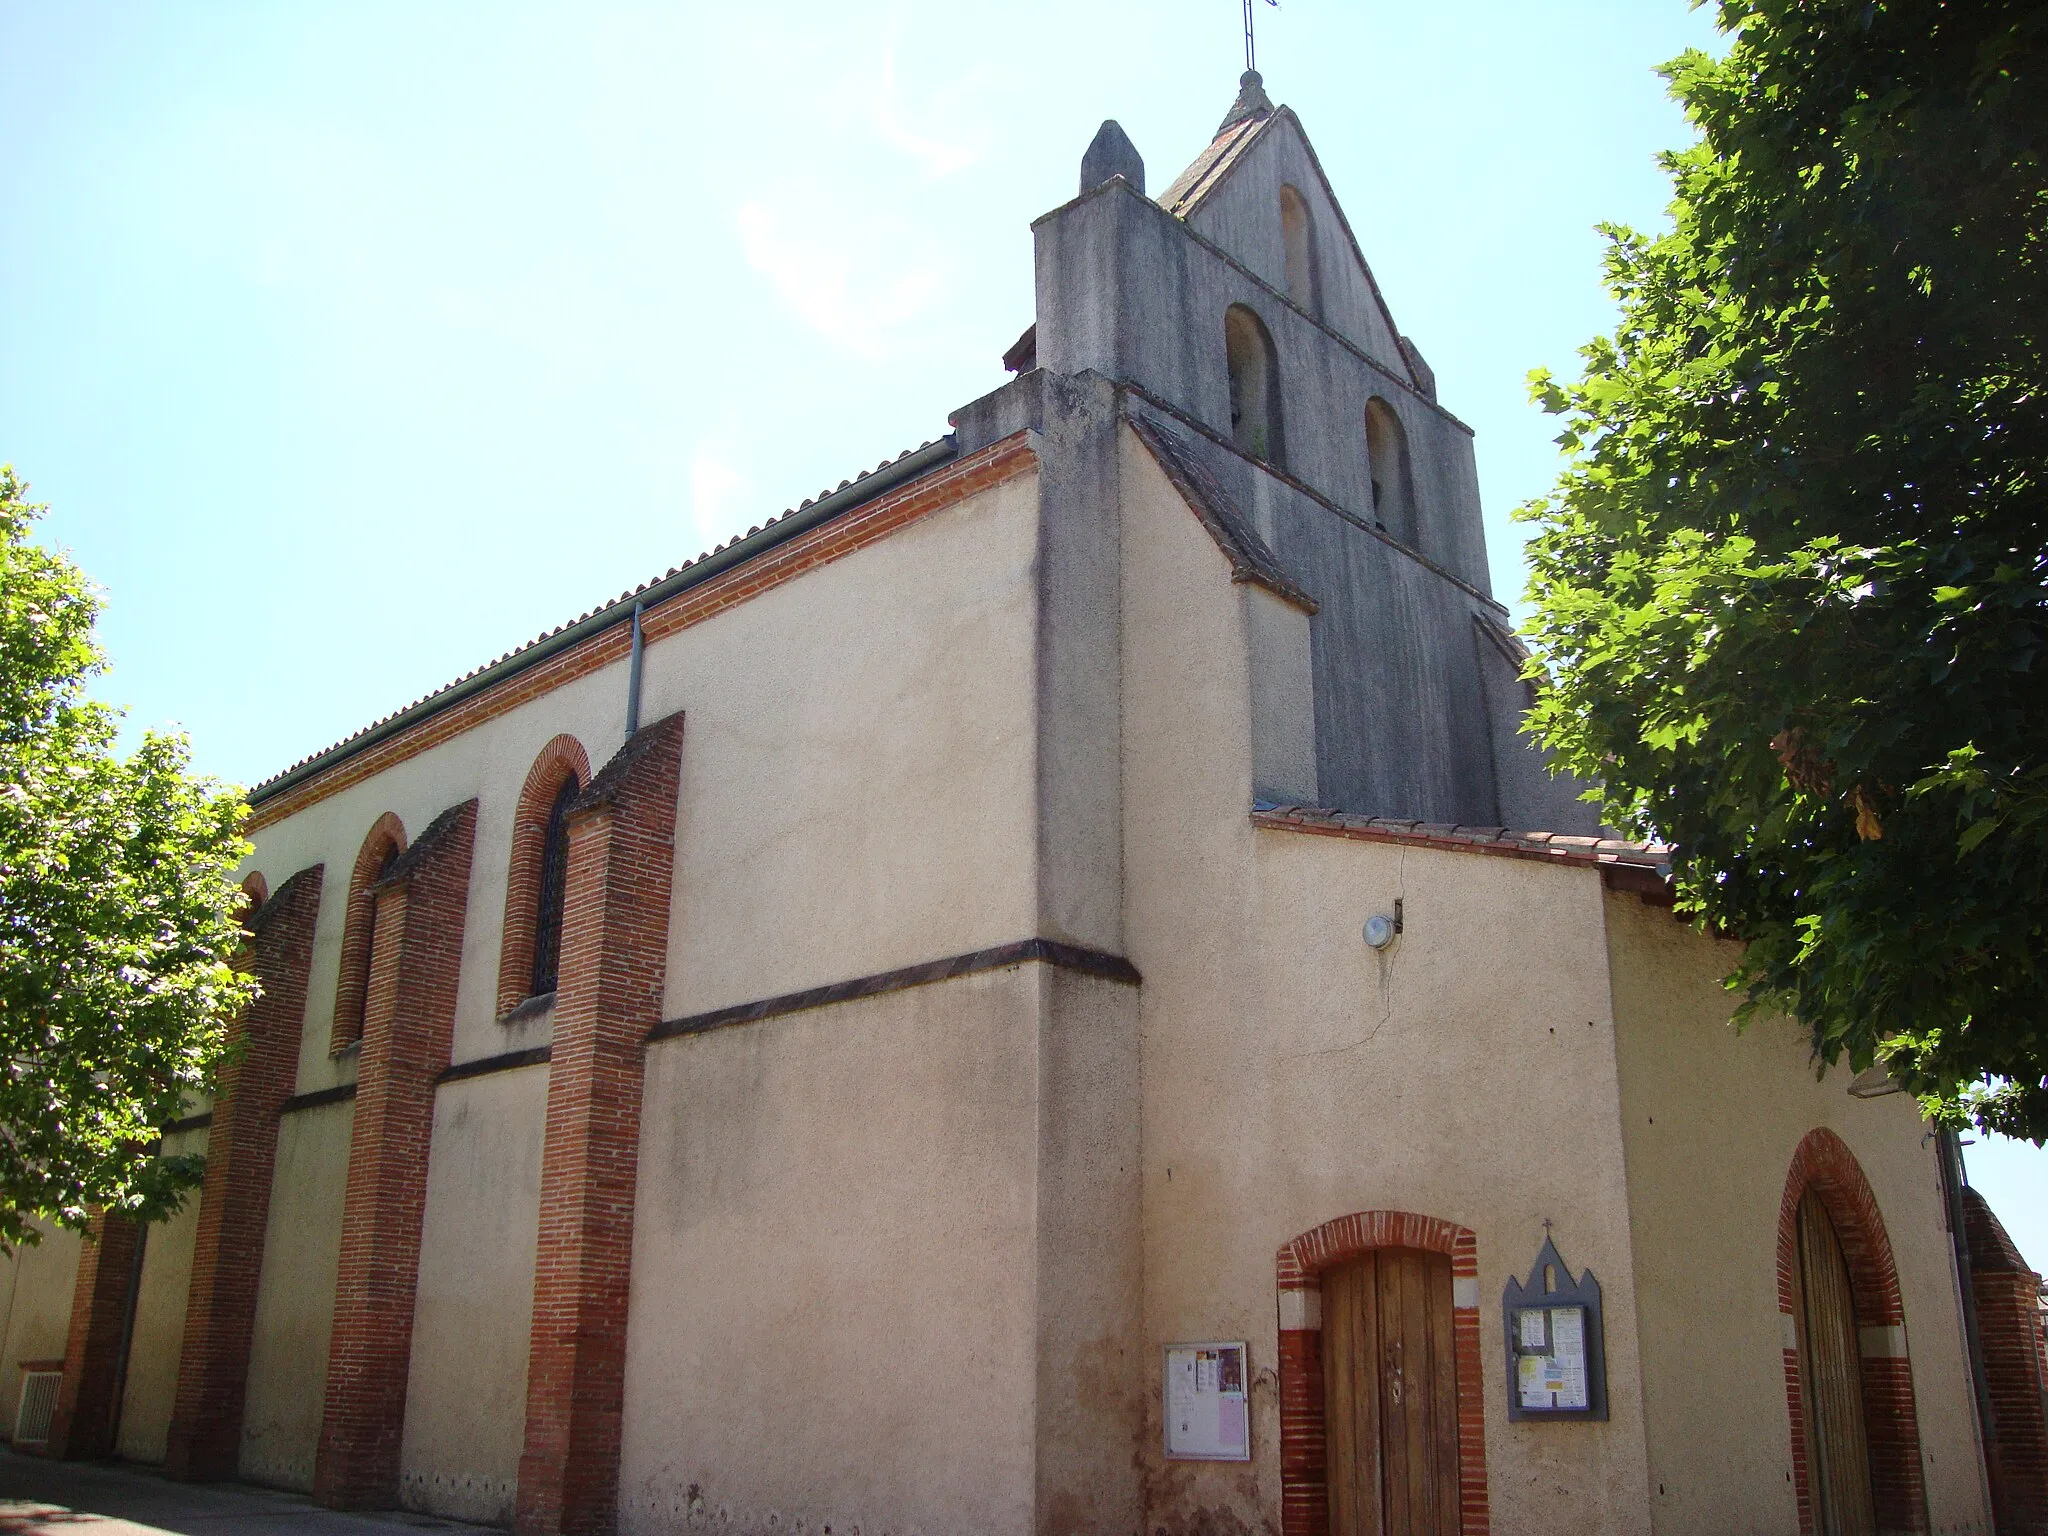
{"points": [[1556, 1346]]}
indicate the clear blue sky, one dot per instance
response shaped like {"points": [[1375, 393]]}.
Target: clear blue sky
{"points": [[354, 343]]}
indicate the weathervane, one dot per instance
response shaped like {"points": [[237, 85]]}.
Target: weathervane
{"points": [[1251, 55]]}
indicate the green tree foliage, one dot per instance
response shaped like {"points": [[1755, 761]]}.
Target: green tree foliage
{"points": [[118, 916], [1790, 589]]}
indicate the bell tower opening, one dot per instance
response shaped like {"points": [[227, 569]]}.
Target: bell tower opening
{"points": [[1254, 386]]}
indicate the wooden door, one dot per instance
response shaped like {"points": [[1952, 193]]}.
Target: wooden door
{"points": [[1831, 1380], [1390, 1380]]}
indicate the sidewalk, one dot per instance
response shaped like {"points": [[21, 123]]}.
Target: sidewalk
{"points": [[71, 1498]]}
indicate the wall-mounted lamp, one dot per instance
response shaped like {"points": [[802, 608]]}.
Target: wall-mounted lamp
{"points": [[1380, 931]]}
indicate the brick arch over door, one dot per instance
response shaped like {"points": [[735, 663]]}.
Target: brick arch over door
{"points": [[562, 758], [1824, 1164], [1304, 1497], [386, 839]]}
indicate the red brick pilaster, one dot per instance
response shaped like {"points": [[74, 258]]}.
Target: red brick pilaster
{"points": [[1304, 1490], [408, 1024], [234, 1201], [82, 1428], [2008, 1330], [614, 955]]}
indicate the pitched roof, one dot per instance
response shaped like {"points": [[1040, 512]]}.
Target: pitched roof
{"points": [[1251, 560], [1208, 169], [1242, 127]]}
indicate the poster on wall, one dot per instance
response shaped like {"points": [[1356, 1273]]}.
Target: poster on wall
{"points": [[1207, 1407]]}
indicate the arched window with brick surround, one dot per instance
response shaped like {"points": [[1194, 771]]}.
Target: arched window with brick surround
{"points": [[1848, 1380], [1379, 1316], [255, 892], [380, 850], [537, 881]]}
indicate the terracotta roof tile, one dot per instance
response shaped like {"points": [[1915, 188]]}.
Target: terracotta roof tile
{"points": [[1251, 560], [1652, 859]]}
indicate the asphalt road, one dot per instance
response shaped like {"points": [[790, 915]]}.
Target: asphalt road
{"points": [[70, 1498]]}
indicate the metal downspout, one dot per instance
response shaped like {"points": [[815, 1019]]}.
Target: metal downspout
{"points": [[633, 675]]}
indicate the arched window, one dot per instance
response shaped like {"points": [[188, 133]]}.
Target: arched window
{"points": [[1254, 385], [529, 963], [1386, 457], [255, 892], [379, 852], [1297, 233], [554, 874]]}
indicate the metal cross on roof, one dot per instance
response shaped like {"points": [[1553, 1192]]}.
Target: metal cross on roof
{"points": [[1251, 55]]}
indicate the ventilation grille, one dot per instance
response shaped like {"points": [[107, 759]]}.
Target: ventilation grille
{"points": [[38, 1403]]}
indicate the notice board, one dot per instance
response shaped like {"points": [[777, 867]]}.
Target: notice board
{"points": [[1208, 1409]]}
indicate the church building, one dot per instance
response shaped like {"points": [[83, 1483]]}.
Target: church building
{"points": [[1041, 992]]}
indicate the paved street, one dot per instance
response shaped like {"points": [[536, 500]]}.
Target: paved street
{"points": [[49, 1498]]}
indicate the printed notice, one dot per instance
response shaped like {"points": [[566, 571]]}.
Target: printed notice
{"points": [[1206, 1416], [1552, 1373]]}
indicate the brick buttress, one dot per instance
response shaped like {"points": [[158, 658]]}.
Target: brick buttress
{"points": [[614, 957], [234, 1201], [408, 1025], [82, 1428]]}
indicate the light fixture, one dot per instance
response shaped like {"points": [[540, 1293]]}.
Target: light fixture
{"points": [[1381, 930]]}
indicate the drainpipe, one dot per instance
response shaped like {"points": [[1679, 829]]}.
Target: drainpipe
{"points": [[1949, 1153], [633, 676]]}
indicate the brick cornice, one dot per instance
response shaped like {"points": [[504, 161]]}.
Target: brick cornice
{"points": [[914, 500]]}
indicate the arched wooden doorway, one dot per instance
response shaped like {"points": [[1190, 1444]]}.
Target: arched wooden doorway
{"points": [[1848, 1378], [1831, 1379], [1390, 1373], [1381, 1404]]}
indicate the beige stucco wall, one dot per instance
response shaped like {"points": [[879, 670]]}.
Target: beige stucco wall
{"points": [[857, 796], [833, 1278], [151, 1388], [1292, 1075], [295, 1298], [38, 1281], [857, 779], [465, 1405], [1712, 1119]]}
